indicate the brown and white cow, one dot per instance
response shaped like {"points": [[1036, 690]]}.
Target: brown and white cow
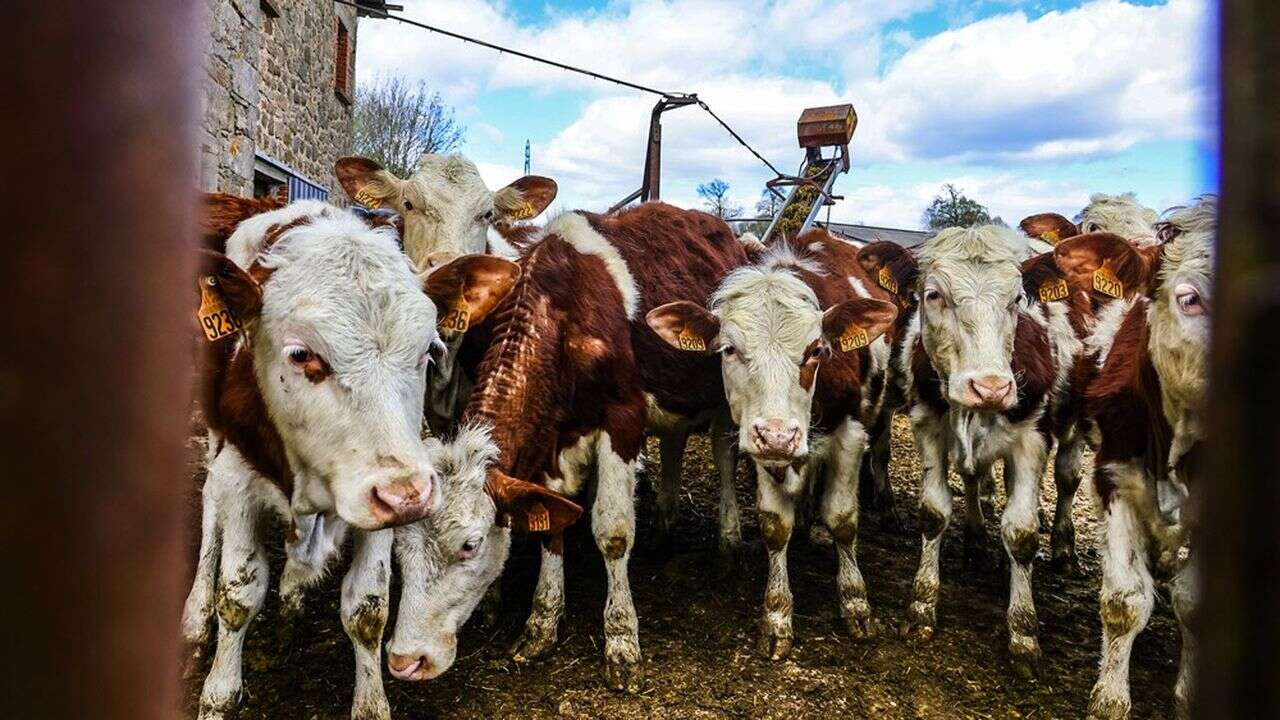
{"points": [[984, 365], [1119, 215], [1147, 403], [312, 387], [570, 379], [798, 334]]}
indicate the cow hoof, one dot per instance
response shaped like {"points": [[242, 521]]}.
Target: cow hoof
{"points": [[223, 709], [918, 625], [820, 535], [532, 645], [375, 709], [862, 628], [1108, 707], [775, 644], [1066, 563], [624, 675], [1025, 656]]}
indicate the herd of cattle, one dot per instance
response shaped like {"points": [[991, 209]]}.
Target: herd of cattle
{"points": [[545, 353]]}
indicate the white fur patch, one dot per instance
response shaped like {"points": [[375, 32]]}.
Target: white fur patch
{"points": [[576, 231], [859, 288]]}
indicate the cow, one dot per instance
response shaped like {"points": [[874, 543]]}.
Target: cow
{"points": [[447, 212], [1147, 402], [984, 364], [312, 381], [1120, 215], [570, 380], [799, 337]]}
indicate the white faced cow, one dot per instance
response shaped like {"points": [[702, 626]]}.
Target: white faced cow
{"points": [[985, 365], [798, 337], [312, 391], [1147, 402]]}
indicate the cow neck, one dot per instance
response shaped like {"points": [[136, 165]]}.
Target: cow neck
{"points": [[514, 391]]}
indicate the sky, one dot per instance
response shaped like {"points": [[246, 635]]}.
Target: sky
{"points": [[1025, 106]]}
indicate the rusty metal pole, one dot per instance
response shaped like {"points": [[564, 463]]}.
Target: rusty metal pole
{"points": [[1239, 620], [98, 167]]}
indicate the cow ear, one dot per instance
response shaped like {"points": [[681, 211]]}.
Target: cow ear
{"points": [[891, 267], [1043, 280], [1049, 227], [854, 324], [222, 213], [684, 325], [528, 506], [467, 289], [367, 183], [222, 283], [1103, 263], [525, 198]]}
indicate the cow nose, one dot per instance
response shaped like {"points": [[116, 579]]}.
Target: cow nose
{"points": [[403, 500], [775, 437], [406, 667], [991, 390]]}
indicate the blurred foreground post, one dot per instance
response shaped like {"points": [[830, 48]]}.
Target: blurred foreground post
{"points": [[1239, 620], [99, 150]]}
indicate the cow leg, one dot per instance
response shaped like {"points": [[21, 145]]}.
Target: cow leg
{"points": [[319, 539], [199, 607], [1066, 478], [613, 523], [776, 503], [671, 444], [724, 449], [365, 594], [1128, 594], [548, 604], [975, 528], [242, 585], [935, 514], [840, 512], [1020, 530], [879, 459], [1183, 589]]}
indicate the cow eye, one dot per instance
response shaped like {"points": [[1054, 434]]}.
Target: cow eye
{"points": [[470, 547], [934, 296], [1091, 227], [1189, 301], [298, 355], [408, 205], [728, 351]]}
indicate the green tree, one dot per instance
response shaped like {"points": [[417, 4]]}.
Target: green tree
{"points": [[951, 208]]}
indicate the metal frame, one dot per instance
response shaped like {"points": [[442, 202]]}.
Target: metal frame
{"points": [[834, 166], [651, 185]]}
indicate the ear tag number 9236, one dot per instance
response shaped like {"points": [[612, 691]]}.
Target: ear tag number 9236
{"points": [[215, 317]]}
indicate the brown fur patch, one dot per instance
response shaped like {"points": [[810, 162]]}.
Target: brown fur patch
{"points": [[222, 213]]}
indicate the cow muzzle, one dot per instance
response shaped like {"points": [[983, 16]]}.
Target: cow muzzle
{"points": [[402, 500], [776, 441], [989, 392], [419, 666]]}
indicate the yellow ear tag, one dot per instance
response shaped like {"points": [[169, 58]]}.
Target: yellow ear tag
{"points": [[458, 319], [1054, 289], [539, 520], [690, 340], [885, 278], [215, 317], [1051, 237], [367, 199], [854, 337], [524, 212], [1106, 282]]}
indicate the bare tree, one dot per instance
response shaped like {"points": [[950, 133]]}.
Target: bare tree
{"points": [[397, 122], [715, 196]]}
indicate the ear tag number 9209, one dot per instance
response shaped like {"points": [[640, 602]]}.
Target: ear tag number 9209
{"points": [[854, 337], [215, 317], [690, 340]]}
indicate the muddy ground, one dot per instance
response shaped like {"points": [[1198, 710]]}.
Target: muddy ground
{"points": [[698, 630]]}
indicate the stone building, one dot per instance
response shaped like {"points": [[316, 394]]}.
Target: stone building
{"points": [[278, 92]]}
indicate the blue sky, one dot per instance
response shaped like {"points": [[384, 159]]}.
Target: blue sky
{"points": [[1026, 106]]}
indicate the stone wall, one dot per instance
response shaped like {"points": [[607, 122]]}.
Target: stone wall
{"points": [[270, 88]]}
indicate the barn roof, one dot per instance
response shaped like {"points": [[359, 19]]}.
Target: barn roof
{"points": [[863, 234]]}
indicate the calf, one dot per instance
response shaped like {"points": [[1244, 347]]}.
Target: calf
{"points": [[312, 383], [569, 381], [799, 339], [984, 365], [1147, 402]]}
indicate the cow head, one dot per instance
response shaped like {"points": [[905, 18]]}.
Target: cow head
{"points": [[447, 209], [1121, 215], [970, 293], [448, 560], [772, 337]]}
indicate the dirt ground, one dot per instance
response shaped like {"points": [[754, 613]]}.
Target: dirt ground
{"points": [[698, 630]]}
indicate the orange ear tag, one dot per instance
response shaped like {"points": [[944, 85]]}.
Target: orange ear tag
{"points": [[854, 337], [539, 520], [367, 199], [215, 317], [458, 319], [1106, 282], [886, 280], [689, 340], [1055, 289], [524, 212], [1051, 237]]}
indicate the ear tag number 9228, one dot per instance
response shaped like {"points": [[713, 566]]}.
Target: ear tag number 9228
{"points": [[216, 319]]}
